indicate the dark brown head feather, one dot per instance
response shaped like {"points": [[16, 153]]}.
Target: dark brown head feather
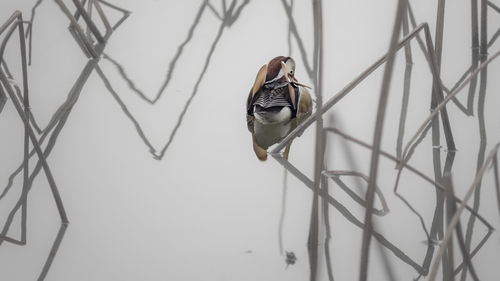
{"points": [[274, 67]]}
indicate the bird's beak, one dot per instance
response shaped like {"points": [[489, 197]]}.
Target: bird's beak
{"points": [[294, 80], [290, 78]]}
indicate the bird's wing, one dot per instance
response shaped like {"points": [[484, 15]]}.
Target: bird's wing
{"points": [[305, 101], [260, 79]]}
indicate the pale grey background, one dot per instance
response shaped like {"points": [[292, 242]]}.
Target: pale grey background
{"points": [[209, 209]]}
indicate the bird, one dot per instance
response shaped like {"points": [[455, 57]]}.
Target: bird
{"points": [[277, 102]]}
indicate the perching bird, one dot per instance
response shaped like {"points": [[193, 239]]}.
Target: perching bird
{"points": [[275, 103]]}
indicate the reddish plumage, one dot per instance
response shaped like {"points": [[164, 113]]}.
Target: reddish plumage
{"points": [[274, 67], [273, 104]]}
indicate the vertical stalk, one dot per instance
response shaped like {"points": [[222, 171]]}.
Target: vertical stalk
{"points": [[474, 24], [438, 41], [481, 154], [377, 139], [484, 27], [326, 219], [320, 139], [406, 90], [26, 105]]}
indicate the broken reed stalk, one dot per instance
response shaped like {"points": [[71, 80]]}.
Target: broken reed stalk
{"points": [[124, 108], [437, 87], [474, 24], [438, 39], [406, 90], [497, 181], [80, 33], [355, 82], [480, 156], [313, 238], [483, 48], [328, 230], [282, 212], [88, 20], [9, 75], [348, 215], [229, 16], [455, 219], [377, 139], [17, 22], [468, 110], [53, 251], [412, 169], [171, 66], [59, 118], [353, 195], [337, 173], [161, 154], [443, 103], [64, 110], [451, 208], [293, 29]]}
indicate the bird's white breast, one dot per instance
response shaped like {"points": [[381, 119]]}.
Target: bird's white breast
{"points": [[274, 117]]}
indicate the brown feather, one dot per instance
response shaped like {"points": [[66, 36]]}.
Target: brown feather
{"points": [[260, 79], [274, 67], [260, 152], [305, 101]]}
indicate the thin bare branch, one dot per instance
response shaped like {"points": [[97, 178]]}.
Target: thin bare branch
{"points": [[455, 219], [377, 140]]}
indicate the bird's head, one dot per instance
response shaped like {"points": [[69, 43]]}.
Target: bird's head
{"points": [[277, 68]]}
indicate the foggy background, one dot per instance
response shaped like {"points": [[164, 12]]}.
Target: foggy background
{"points": [[154, 163]]}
